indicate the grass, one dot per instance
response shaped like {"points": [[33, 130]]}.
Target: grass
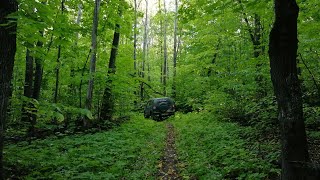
{"points": [[131, 151], [209, 149]]}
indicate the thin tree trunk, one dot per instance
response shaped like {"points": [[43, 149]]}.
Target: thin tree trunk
{"points": [[38, 74], [81, 81], [56, 92], [149, 69], [145, 40], [108, 101], [57, 76], [136, 92], [26, 115], [135, 37], [93, 55], [28, 82], [160, 42], [257, 35], [78, 20], [283, 62], [72, 86], [36, 87], [255, 30], [312, 75], [7, 53], [165, 52], [175, 50]]}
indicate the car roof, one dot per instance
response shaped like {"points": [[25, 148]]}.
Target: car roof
{"points": [[162, 98]]}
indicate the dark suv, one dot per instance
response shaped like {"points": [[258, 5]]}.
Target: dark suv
{"points": [[159, 108]]}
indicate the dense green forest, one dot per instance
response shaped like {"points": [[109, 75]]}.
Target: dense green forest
{"points": [[76, 75]]}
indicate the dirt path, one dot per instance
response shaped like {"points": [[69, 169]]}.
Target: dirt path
{"points": [[168, 166]]}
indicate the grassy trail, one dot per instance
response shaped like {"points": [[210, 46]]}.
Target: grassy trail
{"points": [[168, 166], [187, 146]]}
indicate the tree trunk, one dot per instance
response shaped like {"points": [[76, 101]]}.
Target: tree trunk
{"points": [[56, 92], [82, 75], [38, 74], [78, 21], [283, 62], [255, 30], [72, 86], [256, 37], [145, 40], [165, 52], [36, 87], [55, 100], [93, 54], [7, 53], [135, 37], [160, 42], [28, 87], [175, 50], [108, 101]]}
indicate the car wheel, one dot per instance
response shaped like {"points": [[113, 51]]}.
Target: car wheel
{"points": [[153, 116], [145, 114]]}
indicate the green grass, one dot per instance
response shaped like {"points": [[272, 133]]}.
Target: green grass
{"points": [[131, 151], [209, 149]]}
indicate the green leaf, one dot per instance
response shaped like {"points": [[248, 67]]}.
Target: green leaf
{"points": [[87, 113], [59, 116]]}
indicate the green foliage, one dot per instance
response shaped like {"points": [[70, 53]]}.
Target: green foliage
{"points": [[130, 151], [312, 117], [209, 149]]}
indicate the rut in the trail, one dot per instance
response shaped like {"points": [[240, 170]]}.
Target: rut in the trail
{"points": [[168, 167]]}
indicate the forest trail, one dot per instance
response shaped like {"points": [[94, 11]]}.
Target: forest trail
{"points": [[168, 166]]}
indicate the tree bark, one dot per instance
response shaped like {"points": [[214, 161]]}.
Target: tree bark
{"points": [[7, 53], [175, 50], [28, 81], [72, 86], [36, 87], [160, 41], [38, 74], [108, 101], [81, 81], [93, 55], [26, 116], [165, 51], [135, 36], [144, 51], [283, 62], [56, 92]]}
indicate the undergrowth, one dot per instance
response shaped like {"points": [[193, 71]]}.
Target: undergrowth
{"points": [[127, 152], [211, 149]]}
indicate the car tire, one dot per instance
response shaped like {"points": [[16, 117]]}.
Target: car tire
{"points": [[146, 115], [153, 116]]}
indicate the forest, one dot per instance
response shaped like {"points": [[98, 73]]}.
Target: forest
{"points": [[75, 76]]}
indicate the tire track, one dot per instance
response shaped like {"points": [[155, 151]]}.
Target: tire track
{"points": [[168, 166]]}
